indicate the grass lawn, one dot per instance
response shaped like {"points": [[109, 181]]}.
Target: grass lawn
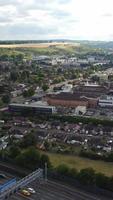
{"points": [[80, 163]]}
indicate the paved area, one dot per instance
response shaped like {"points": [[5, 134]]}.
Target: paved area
{"points": [[56, 191]]}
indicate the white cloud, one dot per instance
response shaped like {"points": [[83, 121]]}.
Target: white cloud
{"points": [[45, 19]]}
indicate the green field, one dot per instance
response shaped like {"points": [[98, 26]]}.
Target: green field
{"points": [[80, 163]]}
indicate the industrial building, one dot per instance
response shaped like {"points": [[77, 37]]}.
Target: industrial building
{"points": [[72, 100], [106, 101], [32, 108], [97, 90]]}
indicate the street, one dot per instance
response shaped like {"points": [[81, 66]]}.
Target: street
{"points": [[56, 191]]}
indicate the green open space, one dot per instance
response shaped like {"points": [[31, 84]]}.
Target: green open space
{"points": [[81, 163]]}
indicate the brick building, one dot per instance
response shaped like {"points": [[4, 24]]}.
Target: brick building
{"points": [[98, 90], [71, 100]]}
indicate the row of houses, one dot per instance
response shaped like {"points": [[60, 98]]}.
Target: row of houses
{"points": [[62, 60]]}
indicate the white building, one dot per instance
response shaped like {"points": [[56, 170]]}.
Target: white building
{"points": [[106, 101], [91, 59], [67, 88], [80, 110], [83, 61]]}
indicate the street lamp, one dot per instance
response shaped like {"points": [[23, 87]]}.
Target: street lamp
{"points": [[46, 171]]}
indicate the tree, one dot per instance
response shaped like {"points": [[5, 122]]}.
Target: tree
{"points": [[95, 78], [6, 98], [109, 157], [25, 94], [87, 176], [45, 159], [102, 181], [63, 169], [1, 103], [45, 87], [20, 57], [47, 145], [25, 74], [13, 76], [30, 158], [14, 151], [110, 77], [31, 92], [4, 57], [73, 172], [86, 75], [29, 140], [28, 93]]}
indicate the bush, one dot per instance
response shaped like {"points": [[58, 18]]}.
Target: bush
{"points": [[104, 182], [30, 158], [14, 151], [84, 120], [73, 172], [45, 159], [92, 155], [28, 140], [6, 98], [87, 176], [63, 169]]}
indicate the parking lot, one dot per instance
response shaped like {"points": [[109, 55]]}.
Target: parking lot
{"points": [[55, 191]]}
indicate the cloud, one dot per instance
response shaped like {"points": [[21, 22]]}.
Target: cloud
{"points": [[107, 15], [23, 29], [64, 1], [45, 19], [26, 31], [60, 14], [8, 2], [5, 20]]}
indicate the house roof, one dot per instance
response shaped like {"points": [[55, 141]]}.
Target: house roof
{"points": [[67, 96]]}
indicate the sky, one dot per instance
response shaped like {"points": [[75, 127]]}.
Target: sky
{"points": [[56, 19]]}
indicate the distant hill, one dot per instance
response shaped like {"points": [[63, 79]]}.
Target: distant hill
{"points": [[32, 41], [98, 44], [86, 43]]}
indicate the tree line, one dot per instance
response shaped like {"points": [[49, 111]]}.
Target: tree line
{"points": [[94, 156], [86, 177], [84, 120]]}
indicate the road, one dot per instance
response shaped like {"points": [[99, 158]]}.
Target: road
{"points": [[56, 191], [52, 190]]}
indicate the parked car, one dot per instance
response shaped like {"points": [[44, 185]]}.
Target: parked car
{"points": [[31, 190], [25, 193], [3, 176]]}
